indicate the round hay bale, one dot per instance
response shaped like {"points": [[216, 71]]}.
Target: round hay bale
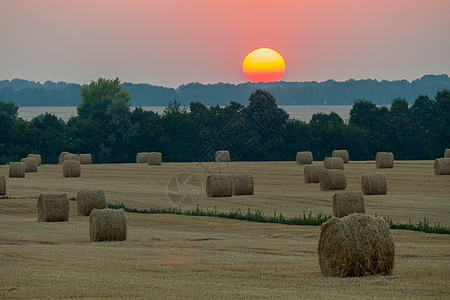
{"points": [[304, 158], [62, 155], [38, 158], [442, 166], [342, 154], [71, 168], [243, 184], [447, 153], [53, 208], [88, 200], [332, 179], [71, 156], [85, 159], [384, 160], [374, 184], [142, 158], [222, 156], [219, 186], [333, 163], [31, 164], [311, 173], [385, 265], [154, 158], [346, 203], [107, 225], [356, 245], [2, 185], [17, 169]]}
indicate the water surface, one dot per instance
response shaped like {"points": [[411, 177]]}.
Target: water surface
{"points": [[299, 112]]}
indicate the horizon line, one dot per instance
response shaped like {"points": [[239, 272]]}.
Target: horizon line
{"points": [[228, 83]]}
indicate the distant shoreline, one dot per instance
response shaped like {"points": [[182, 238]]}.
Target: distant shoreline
{"points": [[27, 93]]}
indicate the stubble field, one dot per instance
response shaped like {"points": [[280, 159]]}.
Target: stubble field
{"points": [[172, 256]]}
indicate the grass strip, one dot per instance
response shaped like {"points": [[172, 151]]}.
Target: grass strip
{"points": [[258, 216]]}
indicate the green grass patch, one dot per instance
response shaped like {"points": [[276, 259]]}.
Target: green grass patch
{"points": [[421, 226], [258, 216]]}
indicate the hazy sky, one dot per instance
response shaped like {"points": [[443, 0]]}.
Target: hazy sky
{"points": [[168, 42]]}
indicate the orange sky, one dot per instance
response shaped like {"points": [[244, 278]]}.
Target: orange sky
{"points": [[175, 42]]}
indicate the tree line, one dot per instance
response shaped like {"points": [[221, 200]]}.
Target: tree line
{"points": [[29, 93], [112, 132]]}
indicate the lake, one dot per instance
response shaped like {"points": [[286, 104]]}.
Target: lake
{"points": [[299, 112]]}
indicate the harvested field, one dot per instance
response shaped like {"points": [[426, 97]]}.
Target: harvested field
{"points": [[170, 256]]}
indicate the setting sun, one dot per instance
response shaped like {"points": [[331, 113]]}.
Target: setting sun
{"points": [[263, 65]]}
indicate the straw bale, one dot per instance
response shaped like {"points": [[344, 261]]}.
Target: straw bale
{"points": [[374, 184], [31, 164], [142, 158], [312, 173], [53, 208], [342, 154], [85, 159], [304, 158], [108, 225], [154, 158], [346, 203], [385, 265], [355, 245], [71, 168], [332, 179], [333, 163], [219, 186], [38, 158], [88, 200], [71, 156], [17, 169], [447, 153], [2, 185], [62, 155], [442, 166], [384, 160], [243, 184], [222, 156]]}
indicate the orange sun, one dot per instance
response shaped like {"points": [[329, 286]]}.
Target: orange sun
{"points": [[263, 65]]}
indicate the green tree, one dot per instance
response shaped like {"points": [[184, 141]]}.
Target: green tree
{"points": [[179, 132], [8, 113], [104, 127], [52, 140], [363, 114], [267, 126], [117, 144], [399, 129], [373, 120], [441, 134], [325, 131], [422, 114], [297, 138], [98, 95], [149, 129], [263, 111]]}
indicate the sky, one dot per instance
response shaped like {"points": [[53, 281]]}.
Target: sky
{"points": [[175, 42]]}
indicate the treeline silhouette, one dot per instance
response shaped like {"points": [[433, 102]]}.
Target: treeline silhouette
{"points": [[107, 128], [30, 93]]}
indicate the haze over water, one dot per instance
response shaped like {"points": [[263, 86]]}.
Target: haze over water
{"points": [[299, 112]]}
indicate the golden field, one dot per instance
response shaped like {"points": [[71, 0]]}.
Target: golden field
{"points": [[171, 256]]}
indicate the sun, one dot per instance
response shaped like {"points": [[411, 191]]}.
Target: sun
{"points": [[263, 65]]}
